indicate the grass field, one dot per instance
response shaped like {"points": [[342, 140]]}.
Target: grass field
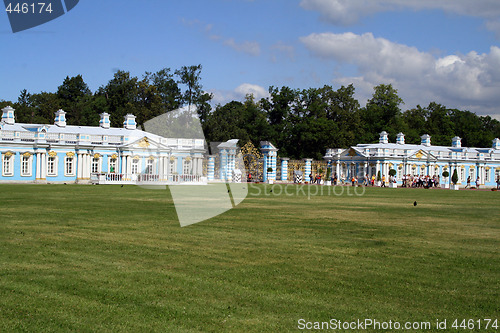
{"points": [[107, 258]]}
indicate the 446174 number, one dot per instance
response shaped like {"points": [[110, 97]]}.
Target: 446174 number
{"points": [[29, 8]]}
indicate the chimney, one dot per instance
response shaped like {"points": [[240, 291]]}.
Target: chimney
{"points": [[456, 142], [400, 139], [8, 115], [426, 140], [60, 118], [129, 122], [104, 122], [383, 137], [496, 143]]}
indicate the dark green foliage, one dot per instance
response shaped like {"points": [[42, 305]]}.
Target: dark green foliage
{"points": [[301, 123], [454, 178], [392, 172], [446, 174], [379, 177]]}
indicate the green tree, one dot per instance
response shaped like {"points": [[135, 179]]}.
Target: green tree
{"points": [[382, 112], [166, 87], [75, 98], [121, 94], [190, 76]]}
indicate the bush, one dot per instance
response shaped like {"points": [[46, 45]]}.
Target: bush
{"points": [[446, 174], [454, 178], [269, 169], [379, 177], [392, 172], [328, 173]]}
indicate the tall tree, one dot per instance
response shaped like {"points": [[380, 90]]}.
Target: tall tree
{"points": [[121, 95], [190, 76], [382, 112]]}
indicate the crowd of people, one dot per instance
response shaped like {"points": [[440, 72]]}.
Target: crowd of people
{"points": [[417, 181]]}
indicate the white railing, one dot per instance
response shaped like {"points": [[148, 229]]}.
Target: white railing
{"points": [[53, 136], [123, 178], [8, 134], [70, 137]]}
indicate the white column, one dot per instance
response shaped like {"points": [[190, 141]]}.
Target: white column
{"points": [[79, 166], [43, 166]]}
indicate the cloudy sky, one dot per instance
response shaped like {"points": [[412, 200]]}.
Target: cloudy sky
{"points": [[447, 51]]}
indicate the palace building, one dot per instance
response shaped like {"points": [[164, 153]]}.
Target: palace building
{"points": [[99, 154], [423, 159]]}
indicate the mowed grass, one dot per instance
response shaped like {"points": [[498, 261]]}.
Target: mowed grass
{"points": [[110, 258]]}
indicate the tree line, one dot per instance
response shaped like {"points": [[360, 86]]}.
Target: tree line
{"points": [[300, 122]]}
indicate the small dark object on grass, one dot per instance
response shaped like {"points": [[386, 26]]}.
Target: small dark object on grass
{"points": [[494, 189], [271, 191], [415, 203], [122, 185]]}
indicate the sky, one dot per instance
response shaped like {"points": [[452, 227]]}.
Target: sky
{"points": [[445, 51]]}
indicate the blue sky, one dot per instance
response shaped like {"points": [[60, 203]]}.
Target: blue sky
{"points": [[446, 51]]}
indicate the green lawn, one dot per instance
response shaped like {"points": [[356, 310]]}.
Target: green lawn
{"points": [[110, 258]]}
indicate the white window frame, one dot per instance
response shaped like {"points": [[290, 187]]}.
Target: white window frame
{"points": [[8, 165], [186, 167], [462, 175], [113, 162], [150, 166], [55, 161], [472, 174], [135, 166], [95, 165], [28, 163], [172, 166], [69, 161], [487, 177]]}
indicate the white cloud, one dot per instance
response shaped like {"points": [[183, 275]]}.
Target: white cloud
{"points": [[346, 12], [250, 48], [470, 81], [239, 93]]}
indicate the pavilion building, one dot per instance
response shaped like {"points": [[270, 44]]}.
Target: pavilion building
{"points": [[82, 154], [417, 160]]}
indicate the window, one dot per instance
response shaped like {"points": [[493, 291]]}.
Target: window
{"points": [[52, 166], [353, 171], [7, 164], [96, 165], [487, 176], [149, 166], [471, 174], [186, 170], [172, 166], [400, 171], [462, 174], [26, 165], [113, 165], [69, 169], [135, 166]]}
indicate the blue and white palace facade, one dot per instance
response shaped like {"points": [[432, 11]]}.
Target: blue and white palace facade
{"points": [[83, 154], [422, 160]]}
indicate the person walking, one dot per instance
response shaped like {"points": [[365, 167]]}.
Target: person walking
{"points": [[498, 182], [468, 182], [383, 181], [477, 183]]}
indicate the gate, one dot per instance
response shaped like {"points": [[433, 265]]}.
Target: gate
{"points": [[252, 158]]}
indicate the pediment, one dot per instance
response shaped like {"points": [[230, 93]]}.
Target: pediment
{"points": [[422, 155], [144, 143], [352, 152]]}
